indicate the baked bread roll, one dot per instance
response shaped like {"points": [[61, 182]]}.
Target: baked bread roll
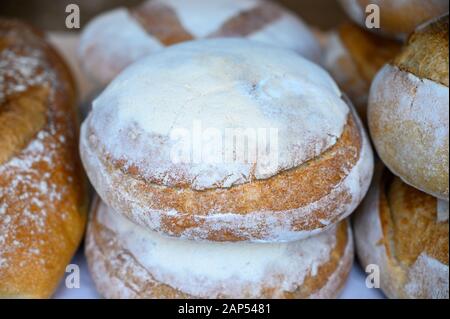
{"points": [[313, 166], [405, 233], [408, 110], [42, 191], [129, 261], [353, 56], [117, 38], [398, 18]]}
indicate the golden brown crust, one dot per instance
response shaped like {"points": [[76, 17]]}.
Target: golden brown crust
{"points": [[315, 196], [368, 51], [162, 22], [398, 229], [410, 230], [42, 186], [118, 274], [426, 53], [306, 183], [413, 212], [21, 118], [365, 53]]}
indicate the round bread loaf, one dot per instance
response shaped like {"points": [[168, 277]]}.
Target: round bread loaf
{"points": [[269, 150], [353, 56], [405, 233], [43, 202], [408, 110], [117, 38], [128, 261], [398, 18]]}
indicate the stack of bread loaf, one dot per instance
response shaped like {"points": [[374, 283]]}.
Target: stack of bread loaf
{"points": [[273, 227], [177, 217], [402, 227]]}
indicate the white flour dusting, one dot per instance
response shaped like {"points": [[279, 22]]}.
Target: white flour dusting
{"points": [[227, 83]]}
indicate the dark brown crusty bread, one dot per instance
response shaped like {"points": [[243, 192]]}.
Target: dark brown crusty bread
{"points": [[405, 232], [42, 186]]}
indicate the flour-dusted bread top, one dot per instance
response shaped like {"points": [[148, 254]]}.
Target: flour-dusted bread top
{"points": [[219, 84], [408, 110], [116, 38]]}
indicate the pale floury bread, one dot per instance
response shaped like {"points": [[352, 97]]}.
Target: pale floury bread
{"points": [[317, 172], [119, 37], [398, 18], [408, 110], [129, 261], [405, 233]]}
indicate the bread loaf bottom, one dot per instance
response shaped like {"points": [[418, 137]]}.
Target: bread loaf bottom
{"points": [[128, 261]]}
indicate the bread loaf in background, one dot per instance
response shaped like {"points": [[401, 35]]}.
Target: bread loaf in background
{"points": [[398, 18], [119, 37], [353, 56]]}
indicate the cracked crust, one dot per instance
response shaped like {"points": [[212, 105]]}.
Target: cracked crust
{"points": [[398, 228], [408, 111], [118, 274]]}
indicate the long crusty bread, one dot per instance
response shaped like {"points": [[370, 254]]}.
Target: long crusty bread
{"points": [[42, 188]]}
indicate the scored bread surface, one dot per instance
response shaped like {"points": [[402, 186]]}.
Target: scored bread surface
{"points": [[156, 24], [42, 191]]}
